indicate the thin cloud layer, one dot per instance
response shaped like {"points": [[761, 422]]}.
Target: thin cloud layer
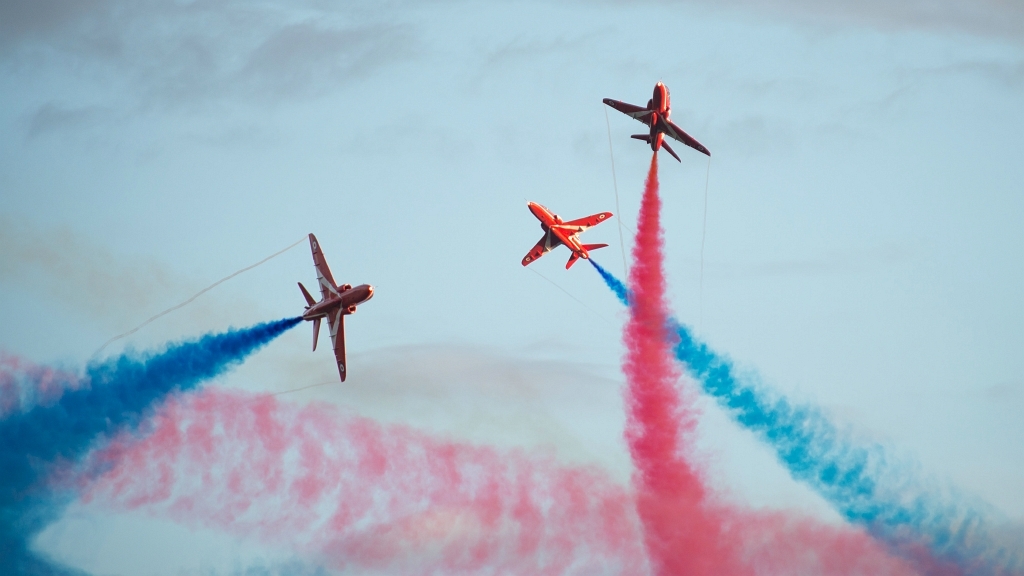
{"points": [[23, 20], [77, 272], [94, 282], [172, 54], [988, 18], [51, 117]]}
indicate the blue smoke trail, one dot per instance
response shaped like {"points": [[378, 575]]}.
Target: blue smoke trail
{"points": [[116, 395], [941, 535], [614, 283]]}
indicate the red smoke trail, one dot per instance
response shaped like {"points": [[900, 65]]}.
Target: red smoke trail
{"points": [[685, 530], [681, 533], [363, 496]]}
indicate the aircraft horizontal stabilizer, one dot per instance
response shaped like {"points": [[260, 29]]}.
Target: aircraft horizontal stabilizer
{"points": [[309, 299], [670, 151], [572, 260], [644, 137], [594, 246]]}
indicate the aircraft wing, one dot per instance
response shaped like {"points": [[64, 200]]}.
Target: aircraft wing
{"points": [[323, 273], [336, 323], [631, 110], [581, 224], [677, 133], [546, 244]]}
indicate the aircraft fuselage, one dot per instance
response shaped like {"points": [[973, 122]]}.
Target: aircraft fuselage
{"points": [[551, 224], [558, 232], [659, 104], [347, 300]]}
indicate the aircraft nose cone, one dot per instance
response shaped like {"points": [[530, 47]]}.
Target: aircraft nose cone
{"points": [[369, 292]]}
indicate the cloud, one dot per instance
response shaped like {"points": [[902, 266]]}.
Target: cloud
{"points": [[24, 19], [174, 54], [305, 56], [54, 117], [1002, 19], [1007, 74], [522, 49], [77, 274]]}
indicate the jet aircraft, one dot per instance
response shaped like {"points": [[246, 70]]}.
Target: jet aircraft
{"points": [[656, 116], [557, 232], [335, 303]]}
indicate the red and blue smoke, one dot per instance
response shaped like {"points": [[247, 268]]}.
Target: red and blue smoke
{"points": [[352, 494], [52, 419], [936, 533], [687, 528], [346, 492], [357, 495]]}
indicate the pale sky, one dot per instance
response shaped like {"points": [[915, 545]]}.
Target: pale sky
{"points": [[865, 218]]}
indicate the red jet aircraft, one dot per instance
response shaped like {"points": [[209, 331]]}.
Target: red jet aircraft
{"points": [[335, 303], [557, 232], [656, 116]]}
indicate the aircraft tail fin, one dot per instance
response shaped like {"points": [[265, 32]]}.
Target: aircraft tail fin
{"points": [[305, 293], [316, 332], [572, 260], [670, 151], [644, 137]]}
